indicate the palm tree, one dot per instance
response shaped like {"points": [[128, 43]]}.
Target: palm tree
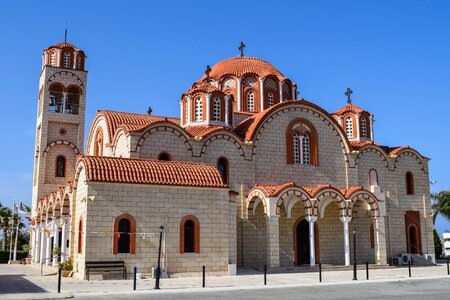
{"points": [[441, 205], [5, 214]]}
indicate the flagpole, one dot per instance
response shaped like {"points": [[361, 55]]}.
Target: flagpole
{"points": [[17, 235]]}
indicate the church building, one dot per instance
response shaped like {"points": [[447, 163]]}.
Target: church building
{"points": [[248, 175]]}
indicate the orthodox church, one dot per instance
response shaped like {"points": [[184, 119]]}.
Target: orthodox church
{"points": [[248, 175]]}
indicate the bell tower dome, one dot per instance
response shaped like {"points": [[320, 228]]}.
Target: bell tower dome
{"points": [[60, 118]]}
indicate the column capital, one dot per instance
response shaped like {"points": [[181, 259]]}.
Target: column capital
{"points": [[345, 219], [310, 218]]}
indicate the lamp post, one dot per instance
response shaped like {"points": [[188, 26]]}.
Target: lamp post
{"points": [[158, 267], [354, 254]]}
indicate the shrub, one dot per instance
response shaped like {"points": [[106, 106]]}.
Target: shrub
{"points": [[4, 256]]}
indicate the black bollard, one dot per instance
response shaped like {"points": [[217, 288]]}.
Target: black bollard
{"points": [[448, 269], [320, 272], [59, 280], [265, 274], [204, 273], [409, 267], [134, 278], [367, 270]]}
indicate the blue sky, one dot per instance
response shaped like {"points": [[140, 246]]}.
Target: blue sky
{"points": [[393, 54]]}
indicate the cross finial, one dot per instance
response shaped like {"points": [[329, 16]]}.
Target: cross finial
{"points": [[348, 93], [65, 34], [241, 48], [207, 71]]}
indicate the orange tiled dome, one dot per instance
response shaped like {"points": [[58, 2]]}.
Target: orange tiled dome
{"points": [[64, 45], [239, 66]]}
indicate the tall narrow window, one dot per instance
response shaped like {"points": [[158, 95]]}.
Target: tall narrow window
{"points": [[363, 127], [302, 143], [250, 101], [222, 165], [373, 178], [72, 101], [56, 98], [98, 146], [52, 59], [80, 235], [349, 127], [60, 166], [67, 60], [124, 236], [79, 62], [270, 99], [409, 183], [216, 109], [189, 235], [198, 109]]}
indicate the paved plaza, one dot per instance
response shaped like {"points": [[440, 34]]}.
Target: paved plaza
{"points": [[25, 282]]}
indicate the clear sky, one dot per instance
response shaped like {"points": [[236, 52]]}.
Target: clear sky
{"points": [[395, 55]]}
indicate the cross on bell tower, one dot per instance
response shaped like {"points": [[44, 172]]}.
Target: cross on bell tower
{"points": [[241, 48], [348, 93]]}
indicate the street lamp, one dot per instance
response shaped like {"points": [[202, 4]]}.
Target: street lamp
{"points": [[354, 254], [158, 267]]}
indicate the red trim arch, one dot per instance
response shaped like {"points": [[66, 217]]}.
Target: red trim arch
{"points": [[132, 249], [98, 142], [314, 147], [196, 233]]}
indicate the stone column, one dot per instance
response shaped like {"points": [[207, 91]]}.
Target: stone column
{"points": [[358, 130], [294, 93], [55, 259], [48, 246], [346, 220], [379, 228], [32, 240], [261, 93], [37, 245], [273, 242], [281, 91], [43, 245], [239, 94], [64, 239], [208, 108], [227, 117], [312, 241], [371, 121], [189, 110]]}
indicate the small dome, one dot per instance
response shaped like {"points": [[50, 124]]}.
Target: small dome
{"points": [[64, 45], [241, 65]]}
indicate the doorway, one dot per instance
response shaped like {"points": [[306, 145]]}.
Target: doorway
{"points": [[301, 242]]}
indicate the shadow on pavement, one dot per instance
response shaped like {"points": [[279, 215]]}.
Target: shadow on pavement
{"points": [[17, 284]]}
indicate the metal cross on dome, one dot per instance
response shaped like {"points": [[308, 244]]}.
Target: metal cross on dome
{"points": [[348, 93], [207, 71], [241, 48]]}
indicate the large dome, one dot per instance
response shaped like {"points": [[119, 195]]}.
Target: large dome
{"points": [[241, 65]]}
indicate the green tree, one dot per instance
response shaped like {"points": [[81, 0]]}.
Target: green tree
{"points": [[441, 204], [5, 214], [437, 244]]}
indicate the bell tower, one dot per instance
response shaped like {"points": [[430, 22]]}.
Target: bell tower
{"points": [[60, 118]]}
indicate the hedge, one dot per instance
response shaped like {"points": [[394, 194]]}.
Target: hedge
{"points": [[4, 256]]}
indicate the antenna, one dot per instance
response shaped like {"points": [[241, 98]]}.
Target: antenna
{"points": [[65, 33]]}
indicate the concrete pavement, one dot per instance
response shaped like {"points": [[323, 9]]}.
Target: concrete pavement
{"points": [[25, 282]]}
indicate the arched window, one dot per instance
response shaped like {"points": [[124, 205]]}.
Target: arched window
{"points": [[373, 178], [80, 235], [363, 127], [349, 127], [124, 234], [189, 235], [409, 183], [98, 146], [60, 166], [301, 143], [56, 98], [67, 60], [250, 101], [80, 64], [216, 109], [222, 165], [52, 59], [286, 92], [270, 99], [198, 109], [73, 101], [164, 156]]}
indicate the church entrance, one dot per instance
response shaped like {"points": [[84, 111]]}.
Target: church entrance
{"points": [[302, 245]]}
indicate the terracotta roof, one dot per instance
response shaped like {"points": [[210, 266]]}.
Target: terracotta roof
{"points": [[205, 88], [248, 127], [386, 149], [358, 145], [115, 119], [239, 66], [64, 45], [273, 190], [203, 130], [145, 171], [350, 108]]}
